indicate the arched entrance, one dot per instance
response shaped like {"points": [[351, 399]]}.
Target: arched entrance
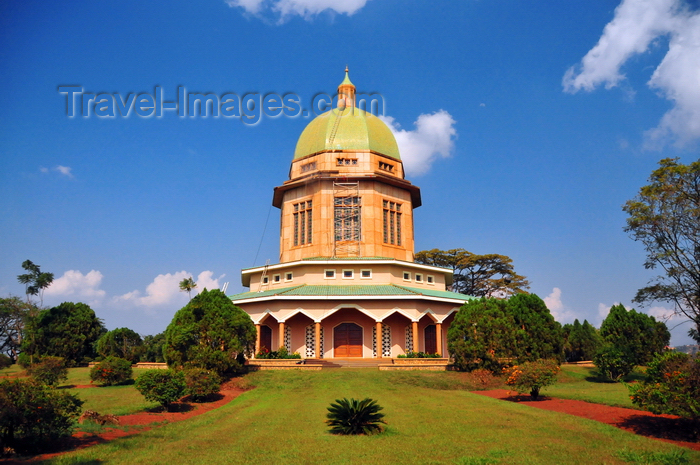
{"points": [[347, 340], [430, 339], [265, 338]]}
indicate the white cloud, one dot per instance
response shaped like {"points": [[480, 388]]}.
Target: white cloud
{"points": [[64, 170], [635, 28], [433, 138], [77, 285], [556, 307], [43, 169], [165, 290], [307, 9]]}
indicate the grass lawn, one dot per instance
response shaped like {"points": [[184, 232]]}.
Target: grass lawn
{"points": [[582, 383], [282, 421]]}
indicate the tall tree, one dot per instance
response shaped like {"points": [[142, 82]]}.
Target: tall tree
{"points": [[490, 275], [665, 217], [210, 332], [69, 330], [34, 280], [637, 333], [537, 334], [121, 342], [581, 341], [187, 285], [13, 316]]}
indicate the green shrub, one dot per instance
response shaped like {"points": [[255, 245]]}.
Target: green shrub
{"points": [[352, 416], [281, 353], [201, 384], [111, 371], [614, 362], [31, 412], [672, 386], [49, 370], [5, 361], [162, 386], [532, 376], [411, 354]]}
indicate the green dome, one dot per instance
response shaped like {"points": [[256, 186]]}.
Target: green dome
{"points": [[347, 129]]}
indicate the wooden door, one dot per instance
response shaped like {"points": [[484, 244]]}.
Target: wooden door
{"points": [[347, 340], [265, 338], [430, 340]]}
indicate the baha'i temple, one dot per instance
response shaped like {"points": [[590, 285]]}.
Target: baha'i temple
{"points": [[347, 285]]}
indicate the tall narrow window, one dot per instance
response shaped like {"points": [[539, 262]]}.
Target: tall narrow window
{"points": [[302, 223], [347, 214], [392, 222]]}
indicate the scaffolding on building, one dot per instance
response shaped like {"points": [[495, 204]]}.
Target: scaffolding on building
{"points": [[347, 230]]}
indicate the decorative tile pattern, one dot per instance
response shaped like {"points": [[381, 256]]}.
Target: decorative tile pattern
{"points": [[386, 341], [409, 338], [311, 341], [288, 338]]}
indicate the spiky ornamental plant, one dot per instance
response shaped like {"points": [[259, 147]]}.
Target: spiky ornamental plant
{"points": [[352, 416]]}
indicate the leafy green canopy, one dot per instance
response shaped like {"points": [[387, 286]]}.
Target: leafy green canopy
{"points": [[581, 341], [34, 280], [210, 332], [153, 348], [489, 275], [162, 386], [121, 342], [487, 332], [665, 217], [634, 332], [352, 416], [68, 330]]}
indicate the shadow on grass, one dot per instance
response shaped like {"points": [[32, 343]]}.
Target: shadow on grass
{"points": [[675, 429], [204, 400], [175, 407], [526, 398]]}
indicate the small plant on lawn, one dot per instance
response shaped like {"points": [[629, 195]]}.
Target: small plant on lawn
{"points": [[672, 386], [532, 376], [162, 386], [50, 370], [32, 412], [614, 362], [201, 384], [352, 416], [111, 371]]}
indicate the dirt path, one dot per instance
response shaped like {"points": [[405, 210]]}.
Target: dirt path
{"points": [[667, 428]]}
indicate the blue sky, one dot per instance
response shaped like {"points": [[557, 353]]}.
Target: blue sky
{"points": [[527, 126]]}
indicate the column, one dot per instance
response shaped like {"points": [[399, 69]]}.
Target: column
{"points": [[257, 340], [438, 336], [281, 335], [317, 340], [415, 336], [380, 342]]}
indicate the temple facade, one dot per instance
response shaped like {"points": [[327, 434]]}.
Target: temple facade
{"points": [[346, 284]]}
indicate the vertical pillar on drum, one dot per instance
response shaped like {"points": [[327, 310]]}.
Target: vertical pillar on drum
{"points": [[257, 340], [281, 335], [415, 336], [380, 340], [317, 341], [438, 336]]}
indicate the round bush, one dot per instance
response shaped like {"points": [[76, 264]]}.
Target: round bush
{"points": [[111, 371], [162, 386], [5, 361], [32, 412], [614, 362], [49, 370], [532, 376], [201, 384]]}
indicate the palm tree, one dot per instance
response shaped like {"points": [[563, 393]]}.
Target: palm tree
{"points": [[186, 285], [355, 417]]}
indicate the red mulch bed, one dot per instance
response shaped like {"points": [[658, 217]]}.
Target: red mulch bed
{"points": [[139, 422], [667, 428]]}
